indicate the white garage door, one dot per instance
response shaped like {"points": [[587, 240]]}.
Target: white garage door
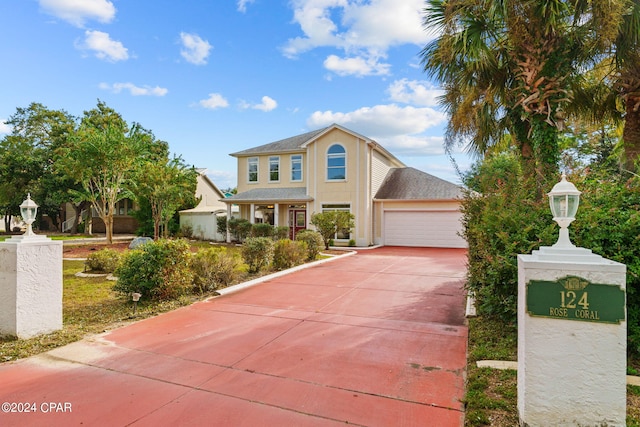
{"points": [[437, 229]]}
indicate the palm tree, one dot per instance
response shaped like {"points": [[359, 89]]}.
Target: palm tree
{"points": [[508, 66]]}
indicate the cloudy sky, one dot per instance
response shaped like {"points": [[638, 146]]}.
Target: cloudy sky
{"points": [[218, 76]]}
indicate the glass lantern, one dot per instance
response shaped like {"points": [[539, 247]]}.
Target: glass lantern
{"points": [[564, 199], [28, 211]]}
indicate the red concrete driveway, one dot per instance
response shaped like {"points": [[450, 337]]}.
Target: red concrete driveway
{"points": [[375, 339]]}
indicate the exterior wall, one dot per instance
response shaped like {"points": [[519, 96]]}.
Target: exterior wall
{"points": [[263, 172], [354, 190], [210, 197], [204, 225], [380, 167], [121, 225]]}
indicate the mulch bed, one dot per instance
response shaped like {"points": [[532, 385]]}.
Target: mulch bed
{"points": [[83, 251]]}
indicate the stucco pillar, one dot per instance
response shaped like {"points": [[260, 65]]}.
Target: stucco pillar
{"points": [[228, 218], [572, 336], [252, 213], [30, 286], [276, 214]]}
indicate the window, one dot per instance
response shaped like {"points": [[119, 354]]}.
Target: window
{"points": [[296, 167], [336, 161], [274, 168], [339, 207], [252, 163]]}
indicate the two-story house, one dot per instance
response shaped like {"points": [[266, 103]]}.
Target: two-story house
{"points": [[283, 183]]}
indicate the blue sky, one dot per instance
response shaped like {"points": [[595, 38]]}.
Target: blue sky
{"points": [[212, 77]]}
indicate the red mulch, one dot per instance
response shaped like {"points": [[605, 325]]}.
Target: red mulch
{"points": [[83, 251]]}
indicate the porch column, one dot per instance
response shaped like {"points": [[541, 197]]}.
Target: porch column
{"points": [[228, 218], [276, 209], [252, 214]]}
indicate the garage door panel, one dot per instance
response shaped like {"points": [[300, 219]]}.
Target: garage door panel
{"points": [[423, 228]]}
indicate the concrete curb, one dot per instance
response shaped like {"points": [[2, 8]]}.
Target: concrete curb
{"points": [[257, 281], [508, 364]]}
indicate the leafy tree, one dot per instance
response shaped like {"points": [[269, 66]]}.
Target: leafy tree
{"points": [[166, 187], [330, 223]]}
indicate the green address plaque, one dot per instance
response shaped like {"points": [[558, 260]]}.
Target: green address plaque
{"points": [[574, 298]]}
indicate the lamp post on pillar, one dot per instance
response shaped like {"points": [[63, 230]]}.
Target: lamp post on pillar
{"points": [[31, 277], [571, 307]]}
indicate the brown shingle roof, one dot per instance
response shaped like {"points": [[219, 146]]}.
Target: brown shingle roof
{"points": [[284, 145], [413, 184]]}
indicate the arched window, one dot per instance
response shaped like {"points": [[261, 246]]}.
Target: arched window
{"points": [[336, 163]]}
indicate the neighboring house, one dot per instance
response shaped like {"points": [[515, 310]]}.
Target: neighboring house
{"points": [[202, 218], [283, 183], [123, 222]]}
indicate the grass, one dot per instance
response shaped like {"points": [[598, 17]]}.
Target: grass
{"points": [[491, 398]]}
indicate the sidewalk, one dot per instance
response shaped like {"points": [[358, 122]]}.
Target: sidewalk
{"points": [[375, 339]]}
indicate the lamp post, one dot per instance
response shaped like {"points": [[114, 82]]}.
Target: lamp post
{"points": [[564, 199], [28, 210]]}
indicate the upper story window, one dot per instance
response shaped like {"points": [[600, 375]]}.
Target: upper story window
{"points": [[296, 167], [274, 168], [336, 163], [252, 168]]}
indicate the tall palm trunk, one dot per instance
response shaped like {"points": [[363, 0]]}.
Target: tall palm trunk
{"points": [[631, 132]]}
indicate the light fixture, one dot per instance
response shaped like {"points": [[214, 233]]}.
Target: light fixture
{"points": [[135, 296], [28, 210], [564, 198]]}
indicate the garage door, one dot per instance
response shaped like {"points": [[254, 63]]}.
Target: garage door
{"points": [[437, 229]]}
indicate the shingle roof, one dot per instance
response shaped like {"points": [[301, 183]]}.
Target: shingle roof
{"points": [[289, 144], [272, 195], [413, 184]]}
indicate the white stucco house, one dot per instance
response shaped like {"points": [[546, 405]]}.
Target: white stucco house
{"points": [[202, 218]]}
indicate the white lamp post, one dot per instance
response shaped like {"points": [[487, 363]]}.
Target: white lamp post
{"points": [[564, 198], [28, 210]]}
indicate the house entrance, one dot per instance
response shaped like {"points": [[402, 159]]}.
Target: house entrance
{"points": [[297, 221]]}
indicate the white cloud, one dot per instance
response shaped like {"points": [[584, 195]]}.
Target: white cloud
{"points": [[363, 30], [214, 101], [399, 129], [194, 49], [77, 12], [357, 66], [242, 5], [415, 92], [135, 90], [103, 47], [4, 127], [267, 104]]}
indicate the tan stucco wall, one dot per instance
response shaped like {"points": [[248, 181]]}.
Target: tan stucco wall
{"points": [[263, 173]]}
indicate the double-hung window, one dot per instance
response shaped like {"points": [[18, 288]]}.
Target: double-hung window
{"points": [[252, 167], [296, 167], [336, 163], [274, 168]]}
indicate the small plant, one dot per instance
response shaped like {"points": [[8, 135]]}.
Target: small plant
{"points": [[257, 253], [186, 231], [314, 242], [214, 268], [288, 253], [281, 232], [352, 243], [106, 260], [262, 230], [158, 270]]}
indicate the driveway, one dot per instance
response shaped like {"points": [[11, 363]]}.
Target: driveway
{"points": [[374, 339]]}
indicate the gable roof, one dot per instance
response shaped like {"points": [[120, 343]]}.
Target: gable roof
{"points": [[413, 184], [271, 195], [294, 143]]}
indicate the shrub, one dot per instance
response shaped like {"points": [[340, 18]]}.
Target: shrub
{"points": [[281, 232], [239, 227], [106, 260], [158, 270], [186, 231], [352, 242], [257, 253], [288, 253], [214, 268], [330, 223], [262, 230], [221, 223], [314, 242]]}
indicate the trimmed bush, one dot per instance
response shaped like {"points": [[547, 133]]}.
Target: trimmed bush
{"points": [[262, 230], [106, 260], [314, 242], [281, 232], [240, 228], [158, 270], [214, 268], [288, 253], [257, 253]]}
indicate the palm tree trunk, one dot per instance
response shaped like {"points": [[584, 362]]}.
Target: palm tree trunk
{"points": [[631, 133]]}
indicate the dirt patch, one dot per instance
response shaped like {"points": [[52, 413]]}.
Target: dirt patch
{"points": [[83, 251]]}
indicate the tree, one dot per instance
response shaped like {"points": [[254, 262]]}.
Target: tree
{"points": [[166, 186], [509, 66], [102, 157], [330, 223]]}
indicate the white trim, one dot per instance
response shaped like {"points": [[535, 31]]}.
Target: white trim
{"points": [[326, 163], [279, 168], [291, 168]]}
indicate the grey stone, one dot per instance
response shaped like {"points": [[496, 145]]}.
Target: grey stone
{"points": [[138, 241]]}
